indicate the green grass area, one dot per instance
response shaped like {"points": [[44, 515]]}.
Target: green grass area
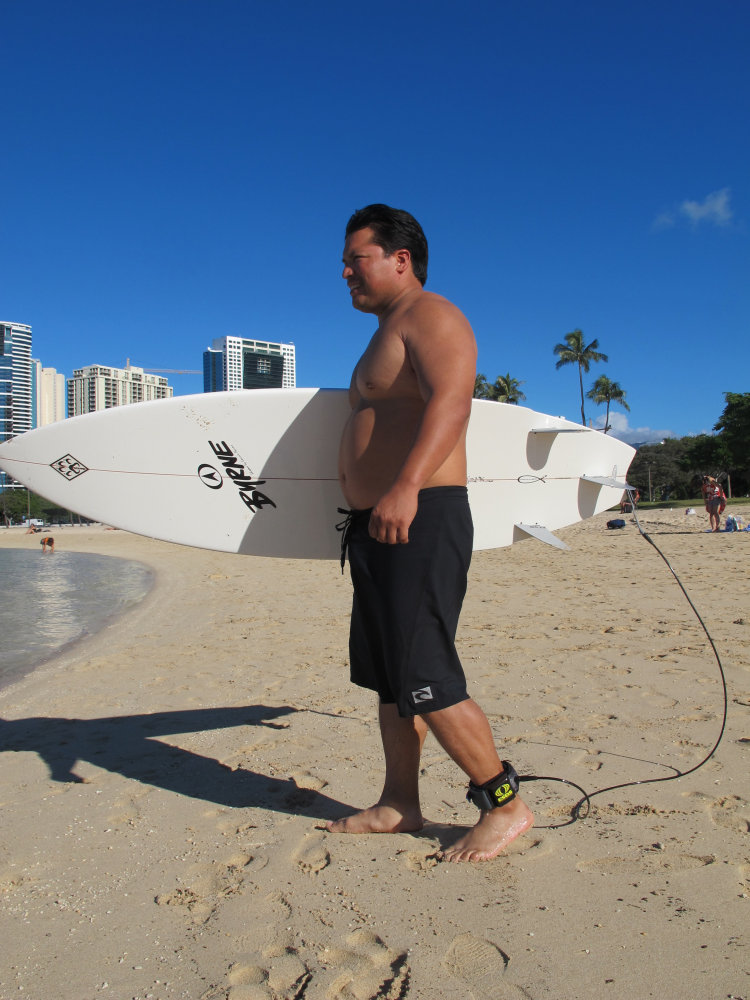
{"points": [[681, 504]]}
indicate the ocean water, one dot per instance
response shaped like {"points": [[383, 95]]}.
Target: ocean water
{"points": [[48, 601]]}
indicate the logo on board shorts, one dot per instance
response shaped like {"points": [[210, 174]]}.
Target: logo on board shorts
{"points": [[422, 694], [69, 467]]}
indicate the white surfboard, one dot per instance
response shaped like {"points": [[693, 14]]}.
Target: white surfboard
{"points": [[255, 472]]}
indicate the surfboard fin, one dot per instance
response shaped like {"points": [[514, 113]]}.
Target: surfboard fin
{"points": [[543, 534], [606, 481]]}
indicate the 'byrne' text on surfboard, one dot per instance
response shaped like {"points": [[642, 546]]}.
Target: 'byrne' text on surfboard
{"points": [[235, 470]]}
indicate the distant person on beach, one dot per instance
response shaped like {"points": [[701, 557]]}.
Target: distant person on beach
{"points": [[629, 501], [409, 534], [48, 542], [715, 501]]}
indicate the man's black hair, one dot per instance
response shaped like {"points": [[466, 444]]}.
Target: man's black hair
{"points": [[394, 229]]}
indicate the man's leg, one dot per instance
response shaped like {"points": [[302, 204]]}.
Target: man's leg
{"points": [[464, 732], [397, 810]]}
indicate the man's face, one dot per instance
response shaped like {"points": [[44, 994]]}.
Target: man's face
{"points": [[368, 272]]}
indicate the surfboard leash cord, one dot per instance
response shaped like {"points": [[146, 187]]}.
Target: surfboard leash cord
{"points": [[585, 800]]}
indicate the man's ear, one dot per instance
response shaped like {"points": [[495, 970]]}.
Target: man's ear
{"points": [[403, 260]]}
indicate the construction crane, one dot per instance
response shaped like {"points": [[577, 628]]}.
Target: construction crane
{"points": [[174, 371], [167, 371]]}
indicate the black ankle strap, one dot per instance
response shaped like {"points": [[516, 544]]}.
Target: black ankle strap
{"points": [[495, 793]]}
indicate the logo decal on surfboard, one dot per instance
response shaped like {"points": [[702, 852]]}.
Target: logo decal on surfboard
{"points": [[235, 470], [69, 467], [210, 477]]}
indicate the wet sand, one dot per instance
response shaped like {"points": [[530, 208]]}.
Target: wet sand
{"points": [[165, 786]]}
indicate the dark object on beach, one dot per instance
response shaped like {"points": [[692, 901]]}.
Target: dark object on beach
{"points": [[616, 522]]}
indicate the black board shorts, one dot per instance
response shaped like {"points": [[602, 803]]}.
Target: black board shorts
{"points": [[407, 600]]}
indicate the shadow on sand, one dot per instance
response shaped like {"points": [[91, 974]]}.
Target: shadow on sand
{"points": [[130, 745]]}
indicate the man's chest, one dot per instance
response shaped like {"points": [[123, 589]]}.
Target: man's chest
{"points": [[385, 366]]}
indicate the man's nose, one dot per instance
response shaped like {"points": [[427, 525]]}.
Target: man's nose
{"points": [[347, 271]]}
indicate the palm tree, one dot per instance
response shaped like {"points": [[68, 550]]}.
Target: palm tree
{"points": [[507, 389], [573, 351], [481, 387], [604, 391]]}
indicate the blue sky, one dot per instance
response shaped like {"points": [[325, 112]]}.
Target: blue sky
{"points": [[179, 170]]}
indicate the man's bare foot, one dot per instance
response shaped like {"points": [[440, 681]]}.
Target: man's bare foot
{"points": [[379, 819], [492, 834]]}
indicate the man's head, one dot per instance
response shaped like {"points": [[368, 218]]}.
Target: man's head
{"points": [[393, 229]]}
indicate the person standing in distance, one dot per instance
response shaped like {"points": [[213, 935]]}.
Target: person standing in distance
{"points": [[402, 469]]}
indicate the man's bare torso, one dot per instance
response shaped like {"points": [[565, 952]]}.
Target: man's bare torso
{"points": [[387, 408]]}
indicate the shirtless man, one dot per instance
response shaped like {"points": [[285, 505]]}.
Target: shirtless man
{"points": [[403, 473]]}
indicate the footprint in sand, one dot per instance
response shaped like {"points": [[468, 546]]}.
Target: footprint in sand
{"points": [[311, 855], [303, 789], [364, 968], [273, 970], [729, 811], [209, 885], [303, 779], [287, 978], [652, 861], [418, 862], [370, 970], [481, 965]]}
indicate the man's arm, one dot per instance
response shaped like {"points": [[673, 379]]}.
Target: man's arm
{"points": [[442, 350]]}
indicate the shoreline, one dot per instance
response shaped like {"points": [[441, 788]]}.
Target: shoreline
{"points": [[165, 786], [68, 647], [87, 626]]}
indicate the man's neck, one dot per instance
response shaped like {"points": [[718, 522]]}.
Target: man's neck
{"points": [[403, 298]]}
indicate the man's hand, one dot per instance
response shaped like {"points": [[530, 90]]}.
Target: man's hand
{"points": [[392, 516]]}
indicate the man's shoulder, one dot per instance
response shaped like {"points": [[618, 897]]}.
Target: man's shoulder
{"points": [[431, 300], [430, 308]]}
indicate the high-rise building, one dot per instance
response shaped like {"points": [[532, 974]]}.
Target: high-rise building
{"points": [[6, 382], [240, 363], [98, 388], [15, 379], [48, 394]]}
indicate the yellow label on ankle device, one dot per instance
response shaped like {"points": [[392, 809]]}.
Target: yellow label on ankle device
{"points": [[503, 792]]}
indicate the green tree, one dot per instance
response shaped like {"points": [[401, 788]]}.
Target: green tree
{"points": [[505, 389], [734, 431], [660, 467], [574, 351], [481, 387], [16, 502], [606, 391], [705, 455]]}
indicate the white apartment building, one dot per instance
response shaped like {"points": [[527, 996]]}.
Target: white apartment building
{"points": [[49, 394], [98, 388], [242, 363]]}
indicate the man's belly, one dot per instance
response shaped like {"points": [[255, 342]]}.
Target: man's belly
{"points": [[374, 446], [373, 449]]}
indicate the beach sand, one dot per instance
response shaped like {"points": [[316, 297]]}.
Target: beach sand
{"points": [[165, 785]]}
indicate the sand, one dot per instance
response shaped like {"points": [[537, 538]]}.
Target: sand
{"points": [[165, 786]]}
